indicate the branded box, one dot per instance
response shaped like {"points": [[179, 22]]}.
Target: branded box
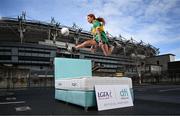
{"points": [[67, 69]]}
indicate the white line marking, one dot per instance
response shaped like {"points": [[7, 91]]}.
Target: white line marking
{"points": [[18, 102], [10, 98], [22, 108], [169, 89], [142, 90]]}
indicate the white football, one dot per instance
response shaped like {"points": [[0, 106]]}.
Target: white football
{"points": [[65, 31], [133, 55]]}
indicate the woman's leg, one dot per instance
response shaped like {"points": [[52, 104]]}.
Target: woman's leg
{"points": [[107, 50], [104, 48], [86, 43]]}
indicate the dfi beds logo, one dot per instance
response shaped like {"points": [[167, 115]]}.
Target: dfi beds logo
{"points": [[124, 94]]}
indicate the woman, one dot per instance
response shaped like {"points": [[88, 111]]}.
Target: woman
{"points": [[99, 36]]}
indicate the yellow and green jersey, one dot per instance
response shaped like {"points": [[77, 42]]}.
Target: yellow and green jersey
{"points": [[98, 25]]}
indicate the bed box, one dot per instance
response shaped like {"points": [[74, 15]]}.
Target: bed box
{"points": [[73, 68], [82, 98]]}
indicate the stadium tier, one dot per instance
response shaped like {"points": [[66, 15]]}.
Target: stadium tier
{"points": [[32, 45]]}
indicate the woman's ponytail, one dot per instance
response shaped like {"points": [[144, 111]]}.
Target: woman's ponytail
{"points": [[99, 18]]}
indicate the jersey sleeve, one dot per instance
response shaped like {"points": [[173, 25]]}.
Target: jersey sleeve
{"points": [[96, 24]]}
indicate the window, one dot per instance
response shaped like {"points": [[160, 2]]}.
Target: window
{"points": [[158, 62]]}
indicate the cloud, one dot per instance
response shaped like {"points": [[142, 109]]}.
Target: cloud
{"points": [[149, 26], [156, 34], [159, 8], [155, 22], [133, 16]]}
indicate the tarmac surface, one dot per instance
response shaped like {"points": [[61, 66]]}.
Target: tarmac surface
{"points": [[149, 100]]}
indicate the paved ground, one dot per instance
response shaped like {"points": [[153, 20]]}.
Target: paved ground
{"points": [[159, 93], [151, 99]]}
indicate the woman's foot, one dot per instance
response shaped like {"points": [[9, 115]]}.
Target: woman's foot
{"points": [[93, 48], [71, 49], [74, 49], [111, 50]]}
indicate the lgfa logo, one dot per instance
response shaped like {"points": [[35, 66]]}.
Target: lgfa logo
{"points": [[104, 95]]}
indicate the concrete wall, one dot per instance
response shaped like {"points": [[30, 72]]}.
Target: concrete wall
{"points": [[161, 60]]}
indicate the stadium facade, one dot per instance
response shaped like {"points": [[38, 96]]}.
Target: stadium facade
{"points": [[28, 48]]}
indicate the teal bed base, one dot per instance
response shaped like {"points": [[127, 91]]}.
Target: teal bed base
{"points": [[82, 98], [73, 68]]}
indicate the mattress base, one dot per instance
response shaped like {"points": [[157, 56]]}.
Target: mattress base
{"points": [[82, 98]]}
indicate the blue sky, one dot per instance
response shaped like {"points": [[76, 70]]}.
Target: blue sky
{"points": [[154, 21]]}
